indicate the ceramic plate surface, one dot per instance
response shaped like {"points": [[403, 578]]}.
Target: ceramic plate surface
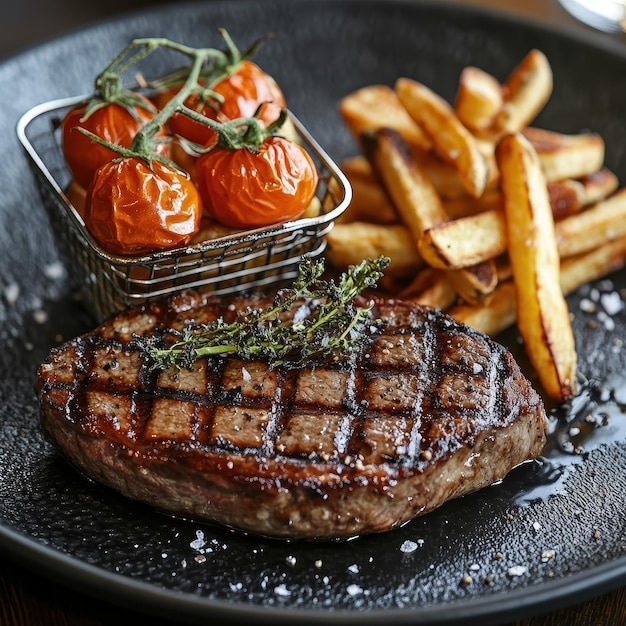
{"points": [[551, 533]]}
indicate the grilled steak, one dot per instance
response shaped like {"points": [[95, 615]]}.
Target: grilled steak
{"points": [[430, 410]]}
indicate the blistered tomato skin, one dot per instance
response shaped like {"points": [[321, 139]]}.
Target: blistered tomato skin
{"points": [[243, 189], [242, 93], [133, 209], [113, 123]]}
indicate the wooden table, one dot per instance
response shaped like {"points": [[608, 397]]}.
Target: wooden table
{"points": [[28, 599]]}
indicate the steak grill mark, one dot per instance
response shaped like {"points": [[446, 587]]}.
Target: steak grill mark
{"points": [[398, 401]]}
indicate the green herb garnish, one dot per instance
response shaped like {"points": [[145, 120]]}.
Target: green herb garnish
{"points": [[313, 318]]}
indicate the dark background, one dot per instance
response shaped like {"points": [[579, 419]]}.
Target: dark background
{"points": [[26, 22]]}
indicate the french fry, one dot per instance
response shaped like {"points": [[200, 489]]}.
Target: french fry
{"points": [[566, 156], [593, 227], [410, 189], [464, 206], [444, 176], [571, 195], [497, 312], [451, 140], [566, 196], [474, 282], [370, 202], [592, 265], [349, 244], [597, 186], [494, 314], [478, 100], [542, 313], [432, 288], [526, 91], [465, 241], [377, 106], [476, 238], [418, 204]]}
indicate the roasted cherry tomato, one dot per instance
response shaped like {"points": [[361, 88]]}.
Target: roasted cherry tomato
{"points": [[247, 189], [243, 92], [132, 208], [113, 123]]}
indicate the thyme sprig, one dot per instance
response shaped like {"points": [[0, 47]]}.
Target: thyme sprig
{"points": [[312, 318]]}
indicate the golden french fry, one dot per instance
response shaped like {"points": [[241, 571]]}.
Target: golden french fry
{"points": [[592, 227], [526, 91], [566, 156], [451, 140], [444, 177], [417, 202], [598, 186], [377, 106], [592, 265], [498, 310], [475, 282], [349, 244], [209, 229], [370, 202], [465, 241], [494, 314], [566, 196], [432, 288], [542, 314], [464, 206], [571, 195], [76, 194], [476, 238], [478, 100]]}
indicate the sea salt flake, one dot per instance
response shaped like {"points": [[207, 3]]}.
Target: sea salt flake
{"points": [[517, 570], [587, 306], [408, 546], [12, 293], [40, 316], [612, 302], [54, 271], [354, 569], [354, 590], [199, 542], [281, 590], [609, 322]]}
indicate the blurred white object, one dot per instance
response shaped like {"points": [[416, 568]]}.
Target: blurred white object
{"points": [[606, 15]]}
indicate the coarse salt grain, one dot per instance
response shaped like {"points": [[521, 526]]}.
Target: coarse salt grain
{"points": [[587, 306], [40, 316], [12, 293], [354, 590], [517, 570], [54, 270], [408, 546], [612, 302], [281, 590]]}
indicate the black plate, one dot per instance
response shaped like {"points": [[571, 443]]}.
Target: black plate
{"points": [[553, 532]]}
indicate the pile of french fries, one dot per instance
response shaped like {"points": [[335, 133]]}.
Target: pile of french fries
{"points": [[482, 215]]}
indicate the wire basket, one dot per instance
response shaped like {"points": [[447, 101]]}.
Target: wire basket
{"points": [[244, 261]]}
